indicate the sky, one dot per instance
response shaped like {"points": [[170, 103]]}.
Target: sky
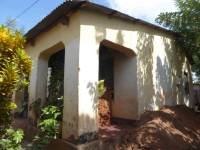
{"points": [[142, 9]]}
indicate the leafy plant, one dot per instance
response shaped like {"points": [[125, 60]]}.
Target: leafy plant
{"points": [[49, 120], [48, 126], [59, 104], [15, 67], [11, 140], [101, 88]]}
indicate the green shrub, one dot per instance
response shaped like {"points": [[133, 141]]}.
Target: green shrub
{"points": [[11, 140], [48, 127], [101, 88], [15, 67]]}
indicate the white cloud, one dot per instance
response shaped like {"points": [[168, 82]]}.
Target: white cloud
{"points": [[143, 9]]}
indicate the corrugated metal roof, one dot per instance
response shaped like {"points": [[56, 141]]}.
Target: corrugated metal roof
{"points": [[68, 7]]}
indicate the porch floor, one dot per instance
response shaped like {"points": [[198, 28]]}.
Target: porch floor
{"points": [[114, 130]]}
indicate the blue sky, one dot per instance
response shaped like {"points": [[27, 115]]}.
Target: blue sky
{"points": [[143, 9]]}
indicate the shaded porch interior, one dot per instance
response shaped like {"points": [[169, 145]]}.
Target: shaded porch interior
{"points": [[116, 68]]}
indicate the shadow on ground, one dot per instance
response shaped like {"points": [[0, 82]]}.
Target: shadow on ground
{"points": [[171, 128]]}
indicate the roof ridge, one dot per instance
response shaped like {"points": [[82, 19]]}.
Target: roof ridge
{"points": [[68, 6]]}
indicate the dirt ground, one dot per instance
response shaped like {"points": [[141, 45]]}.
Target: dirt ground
{"points": [[171, 128]]}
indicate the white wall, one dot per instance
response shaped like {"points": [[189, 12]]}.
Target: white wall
{"points": [[81, 38], [88, 80], [48, 42], [94, 29], [125, 103], [159, 60]]}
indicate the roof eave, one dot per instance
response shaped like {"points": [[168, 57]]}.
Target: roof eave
{"points": [[68, 7]]}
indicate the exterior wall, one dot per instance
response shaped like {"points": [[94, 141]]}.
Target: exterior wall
{"points": [[144, 82], [55, 39], [169, 65], [95, 28], [159, 63], [88, 80], [125, 90]]}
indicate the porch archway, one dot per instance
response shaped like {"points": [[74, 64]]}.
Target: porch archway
{"points": [[118, 69]]}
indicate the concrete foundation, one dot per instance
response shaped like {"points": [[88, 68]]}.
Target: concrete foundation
{"points": [[65, 145]]}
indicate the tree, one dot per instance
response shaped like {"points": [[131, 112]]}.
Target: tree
{"points": [[15, 67], [185, 21]]}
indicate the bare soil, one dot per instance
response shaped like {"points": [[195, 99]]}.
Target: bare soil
{"points": [[171, 128]]}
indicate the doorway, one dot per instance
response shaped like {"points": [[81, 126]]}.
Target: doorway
{"points": [[106, 73], [55, 80], [117, 67]]}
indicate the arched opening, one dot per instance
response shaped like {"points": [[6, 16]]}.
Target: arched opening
{"points": [[55, 80], [50, 80], [117, 67]]}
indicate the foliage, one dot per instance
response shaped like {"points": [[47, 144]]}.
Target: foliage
{"points": [[59, 104], [11, 140], [101, 88], [186, 21], [56, 86], [48, 127], [15, 67]]}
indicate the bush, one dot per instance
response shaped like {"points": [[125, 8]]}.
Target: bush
{"points": [[11, 140], [15, 67], [48, 127], [101, 88]]}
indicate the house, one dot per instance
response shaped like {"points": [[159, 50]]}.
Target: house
{"points": [[141, 63]]}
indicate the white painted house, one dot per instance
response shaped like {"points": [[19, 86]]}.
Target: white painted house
{"points": [[148, 68]]}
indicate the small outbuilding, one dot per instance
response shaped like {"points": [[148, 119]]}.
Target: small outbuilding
{"points": [[142, 64]]}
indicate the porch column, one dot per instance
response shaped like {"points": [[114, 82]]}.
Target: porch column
{"points": [[33, 79], [70, 110], [33, 86], [38, 81], [88, 80], [41, 88], [80, 91]]}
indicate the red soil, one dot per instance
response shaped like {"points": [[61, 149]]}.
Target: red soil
{"points": [[104, 112], [104, 108], [171, 128]]}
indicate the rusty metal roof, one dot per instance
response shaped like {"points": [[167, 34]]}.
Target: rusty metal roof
{"points": [[68, 7]]}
